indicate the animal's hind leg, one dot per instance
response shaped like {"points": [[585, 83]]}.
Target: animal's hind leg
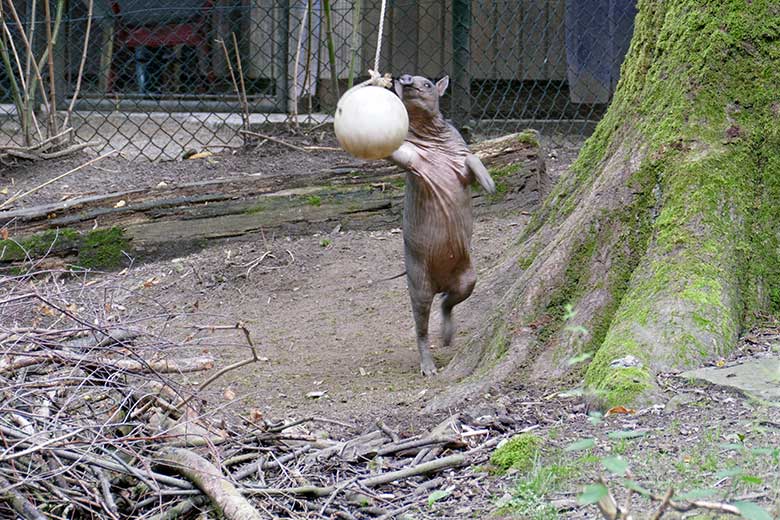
{"points": [[461, 290], [421, 307], [421, 295]]}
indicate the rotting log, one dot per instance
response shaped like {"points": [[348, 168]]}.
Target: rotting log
{"points": [[368, 196]]}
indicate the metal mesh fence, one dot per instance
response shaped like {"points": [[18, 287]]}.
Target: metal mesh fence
{"points": [[154, 77]]}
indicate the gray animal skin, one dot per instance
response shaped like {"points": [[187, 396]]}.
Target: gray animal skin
{"points": [[437, 209]]}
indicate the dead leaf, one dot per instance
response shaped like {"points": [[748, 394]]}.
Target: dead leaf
{"points": [[255, 415], [619, 410], [120, 204], [4, 233], [316, 395], [149, 282], [4, 191], [46, 310], [721, 362], [200, 155], [229, 394]]}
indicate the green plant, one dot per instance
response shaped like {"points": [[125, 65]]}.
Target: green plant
{"points": [[519, 452]]}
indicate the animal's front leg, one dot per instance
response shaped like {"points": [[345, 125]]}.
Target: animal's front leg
{"points": [[479, 173], [404, 156]]}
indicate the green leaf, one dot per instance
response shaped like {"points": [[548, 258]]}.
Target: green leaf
{"points": [[438, 495], [763, 451], [592, 494], [595, 418], [583, 444], [695, 494], [728, 473], [616, 465], [635, 487], [751, 479], [574, 392], [626, 434], [580, 358], [577, 329], [751, 511], [731, 446]]}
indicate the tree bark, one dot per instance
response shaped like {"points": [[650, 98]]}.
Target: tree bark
{"points": [[664, 237]]}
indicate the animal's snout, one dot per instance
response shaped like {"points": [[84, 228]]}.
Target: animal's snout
{"points": [[405, 80]]}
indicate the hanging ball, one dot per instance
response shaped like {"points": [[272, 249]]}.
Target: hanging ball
{"points": [[371, 122]]}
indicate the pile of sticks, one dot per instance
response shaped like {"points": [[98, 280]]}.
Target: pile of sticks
{"points": [[95, 422]]}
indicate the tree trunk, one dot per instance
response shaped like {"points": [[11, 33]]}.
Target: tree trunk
{"points": [[664, 237]]}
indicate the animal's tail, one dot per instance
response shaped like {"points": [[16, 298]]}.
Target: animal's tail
{"points": [[392, 277]]}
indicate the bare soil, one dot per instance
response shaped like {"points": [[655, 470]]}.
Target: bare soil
{"points": [[337, 341]]}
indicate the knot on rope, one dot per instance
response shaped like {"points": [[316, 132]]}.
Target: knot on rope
{"points": [[385, 81]]}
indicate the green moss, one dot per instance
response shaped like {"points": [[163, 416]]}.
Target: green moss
{"points": [[313, 200], [97, 249], [519, 452], [570, 289], [39, 244], [103, 249], [530, 137], [256, 208], [501, 190], [399, 183], [507, 170]]}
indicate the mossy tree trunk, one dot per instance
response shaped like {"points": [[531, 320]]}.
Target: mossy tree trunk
{"points": [[664, 237]]}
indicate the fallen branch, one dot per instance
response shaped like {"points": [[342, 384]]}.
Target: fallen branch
{"points": [[14, 362], [290, 145], [210, 480], [19, 504], [384, 478]]}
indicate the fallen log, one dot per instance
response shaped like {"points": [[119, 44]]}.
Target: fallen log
{"points": [[368, 196]]}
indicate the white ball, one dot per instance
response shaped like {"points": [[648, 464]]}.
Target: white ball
{"points": [[371, 122]]}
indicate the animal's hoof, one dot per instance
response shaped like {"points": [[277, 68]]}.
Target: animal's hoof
{"points": [[428, 370]]}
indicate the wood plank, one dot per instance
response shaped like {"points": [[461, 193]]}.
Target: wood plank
{"points": [[556, 41], [533, 39], [403, 22]]}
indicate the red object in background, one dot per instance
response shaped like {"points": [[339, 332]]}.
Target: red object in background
{"points": [[154, 24], [158, 24]]}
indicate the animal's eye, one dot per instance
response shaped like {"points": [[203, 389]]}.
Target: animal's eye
{"points": [[428, 85]]}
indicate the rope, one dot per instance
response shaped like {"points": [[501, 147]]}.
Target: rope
{"points": [[376, 79], [379, 36]]}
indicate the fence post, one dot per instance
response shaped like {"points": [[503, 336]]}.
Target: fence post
{"points": [[282, 87], [461, 61]]}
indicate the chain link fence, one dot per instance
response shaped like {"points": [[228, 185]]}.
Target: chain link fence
{"points": [[153, 78]]}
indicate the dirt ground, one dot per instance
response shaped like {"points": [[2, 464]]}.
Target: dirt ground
{"points": [[337, 341]]}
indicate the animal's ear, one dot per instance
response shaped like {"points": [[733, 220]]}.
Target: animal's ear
{"points": [[399, 89], [442, 84]]}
